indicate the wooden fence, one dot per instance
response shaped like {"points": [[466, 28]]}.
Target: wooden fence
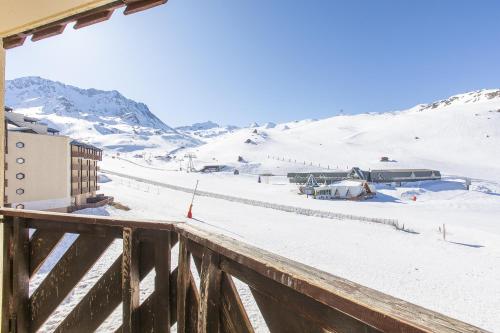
{"points": [[291, 297]]}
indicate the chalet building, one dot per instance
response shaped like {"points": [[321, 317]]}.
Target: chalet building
{"points": [[44, 170]]}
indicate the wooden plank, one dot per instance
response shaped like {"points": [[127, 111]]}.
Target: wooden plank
{"points": [[104, 296], [182, 284], [42, 243], [278, 301], [210, 283], [69, 270], [20, 283], [162, 283], [280, 320], [82, 229], [130, 281], [146, 309], [6, 275], [234, 318], [373, 308], [103, 221], [97, 304]]}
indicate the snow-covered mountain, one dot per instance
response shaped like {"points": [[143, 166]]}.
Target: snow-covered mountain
{"points": [[459, 135], [104, 118], [206, 130]]}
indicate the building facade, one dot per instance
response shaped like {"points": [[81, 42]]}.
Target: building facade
{"points": [[46, 171], [84, 169], [37, 171]]}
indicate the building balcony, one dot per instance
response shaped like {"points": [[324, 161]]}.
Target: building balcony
{"points": [[291, 297]]}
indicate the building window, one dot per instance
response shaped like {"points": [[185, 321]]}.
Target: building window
{"points": [[20, 191], [20, 144], [20, 160], [20, 175], [20, 206]]}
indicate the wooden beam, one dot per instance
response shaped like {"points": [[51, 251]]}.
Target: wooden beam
{"points": [[210, 283], [3, 229], [42, 243], [278, 301], [130, 281], [104, 296], [82, 229], [102, 221], [93, 19], [134, 6], [146, 310], [97, 304], [183, 274], [234, 317], [7, 275], [369, 306], [280, 320], [48, 32], [162, 283], [69, 270], [20, 283]]}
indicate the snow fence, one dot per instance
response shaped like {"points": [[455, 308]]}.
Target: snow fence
{"points": [[285, 208]]}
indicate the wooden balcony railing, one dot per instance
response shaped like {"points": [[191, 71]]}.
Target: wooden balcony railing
{"points": [[291, 297]]}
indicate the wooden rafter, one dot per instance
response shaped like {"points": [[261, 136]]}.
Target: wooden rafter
{"points": [[80, 20]]}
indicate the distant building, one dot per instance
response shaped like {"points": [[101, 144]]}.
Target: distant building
{"points": [[329, 177], [41, 167], [320, 177], [374, 176], [403, 175], [212, 168], [84, 169], [346, 189]]}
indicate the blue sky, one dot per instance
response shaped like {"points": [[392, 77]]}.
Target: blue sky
{"points": [[235, 62]]}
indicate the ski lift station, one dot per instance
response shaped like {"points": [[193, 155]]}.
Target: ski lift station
{"points": [[375, 176]]}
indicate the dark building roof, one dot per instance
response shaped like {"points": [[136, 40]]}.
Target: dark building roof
{"points": [[84, 145], [403, 175], [376, 176], [8, 109]]}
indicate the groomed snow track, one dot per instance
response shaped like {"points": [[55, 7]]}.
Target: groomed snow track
{"points": [[285, 208]]}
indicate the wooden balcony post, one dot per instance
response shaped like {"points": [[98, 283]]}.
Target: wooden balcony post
{"points": [[130, 281], [183, 280], [210, 296], [162, 283], [7, 273], [20, 277], [2, 172]]}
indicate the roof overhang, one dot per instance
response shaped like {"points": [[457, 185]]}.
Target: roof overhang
{"points": [[40, 19]]}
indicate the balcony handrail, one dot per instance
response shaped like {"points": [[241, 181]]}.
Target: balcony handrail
{"points": [[319, 295]]}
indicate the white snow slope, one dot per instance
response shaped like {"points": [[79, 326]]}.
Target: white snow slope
{"points": [[103, 118], [460, 136]]}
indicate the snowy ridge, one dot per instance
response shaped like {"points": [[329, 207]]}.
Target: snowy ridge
{"points": [[459, 135], [104, 118], [205, 130]]}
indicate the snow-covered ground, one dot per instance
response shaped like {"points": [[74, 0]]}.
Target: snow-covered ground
{"points": [[460, 136], [447, 276]]}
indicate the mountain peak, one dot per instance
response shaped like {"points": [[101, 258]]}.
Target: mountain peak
{"points": [[91, 114], [54, 97]]}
